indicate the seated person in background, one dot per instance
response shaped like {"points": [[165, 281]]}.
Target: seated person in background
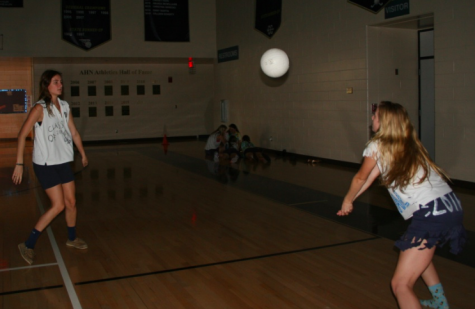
{"points": [[233, 131], [252, 152], [233, 149], [214, 140], [228, 151]]}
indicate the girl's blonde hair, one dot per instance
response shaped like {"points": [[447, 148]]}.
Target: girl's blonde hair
{"points": [[223, 127], [402, 153]]}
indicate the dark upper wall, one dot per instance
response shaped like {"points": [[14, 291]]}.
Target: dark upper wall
{"points": [[35, 31]]}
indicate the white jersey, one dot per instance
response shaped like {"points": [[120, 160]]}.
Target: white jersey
{"points": [[212, 142], [415, 194], [53, 143]]}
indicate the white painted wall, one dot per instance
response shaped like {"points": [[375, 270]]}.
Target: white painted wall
{"points": [[308, 112]]}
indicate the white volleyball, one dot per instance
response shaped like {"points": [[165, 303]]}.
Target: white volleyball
{"points": [[275, 63]]}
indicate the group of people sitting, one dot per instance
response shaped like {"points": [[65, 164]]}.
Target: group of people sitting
{"points": [[225, 144]]}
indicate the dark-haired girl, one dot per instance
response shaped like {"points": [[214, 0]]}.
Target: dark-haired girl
{"points": [[54, 134]]}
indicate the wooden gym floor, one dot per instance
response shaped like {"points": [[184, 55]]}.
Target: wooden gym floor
{"points": [[169, 229]]}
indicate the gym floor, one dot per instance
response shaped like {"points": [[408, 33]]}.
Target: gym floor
{"points": [[167, 228]]}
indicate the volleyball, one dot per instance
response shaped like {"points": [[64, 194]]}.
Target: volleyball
{"points": [[275, 63]]}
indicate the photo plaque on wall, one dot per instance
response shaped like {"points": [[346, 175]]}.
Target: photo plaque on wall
{"points": [[86, 23], [166, 20]]}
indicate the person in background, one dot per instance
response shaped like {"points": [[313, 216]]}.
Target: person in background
{"points": [[233, 149], [420, 191], [215, 139], [54, 134], [251, 152], [233, 131]]}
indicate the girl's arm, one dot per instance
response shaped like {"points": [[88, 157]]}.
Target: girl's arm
{"points": [[36, 114], [77, 140], [372, 176], [361, 181], [221, 138]]}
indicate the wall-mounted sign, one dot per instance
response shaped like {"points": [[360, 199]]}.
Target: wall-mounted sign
{"points": [[13, 101], [86, 23], [268, 16], [11, 3], [228, 54], [166, 20], [371, 5], [396, 8]]}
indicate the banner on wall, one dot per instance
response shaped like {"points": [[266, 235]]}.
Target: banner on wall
{"points": [[166, 20], [371, 5], [11, 3], [268, 16], [86, 23]]}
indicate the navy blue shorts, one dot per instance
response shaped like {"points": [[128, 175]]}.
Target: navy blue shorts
{"points": [[210, 152], [53, 175], [438, 222]]}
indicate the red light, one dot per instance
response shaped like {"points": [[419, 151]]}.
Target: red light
{"points": [[191, 65]]}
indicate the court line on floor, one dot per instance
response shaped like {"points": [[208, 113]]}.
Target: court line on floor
{"points": [[225, 262], [32, 290], [28, 267], [307, 203], [73, 297]]}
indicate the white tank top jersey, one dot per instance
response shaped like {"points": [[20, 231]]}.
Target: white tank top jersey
{"points": [[414, 195], [212, 142], [53, 142]]}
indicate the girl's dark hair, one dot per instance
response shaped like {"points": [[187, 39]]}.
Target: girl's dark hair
{"points": [[232, 125], [45, 81], [246, 138]]}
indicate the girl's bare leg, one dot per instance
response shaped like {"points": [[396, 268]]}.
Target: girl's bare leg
{"points": [[56, 197], [430, 275], [411, 265], [69, 192]]}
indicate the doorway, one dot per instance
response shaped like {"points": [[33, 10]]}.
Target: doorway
{"points": [[400, 62]]}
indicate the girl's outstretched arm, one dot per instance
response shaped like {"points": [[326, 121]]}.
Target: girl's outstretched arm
{"points": [[372, 176], [361, 181]]}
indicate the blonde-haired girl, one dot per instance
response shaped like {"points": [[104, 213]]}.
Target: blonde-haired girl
{"points": [[420, 191]]}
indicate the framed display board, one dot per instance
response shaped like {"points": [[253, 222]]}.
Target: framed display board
{"points": [[13, 101]]}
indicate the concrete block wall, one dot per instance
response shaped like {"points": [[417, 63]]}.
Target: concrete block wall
{"points": [[331, 46], [35, 31], [455, 84]]}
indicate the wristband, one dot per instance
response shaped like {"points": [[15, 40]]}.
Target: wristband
{"points": [[21, 164]]}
